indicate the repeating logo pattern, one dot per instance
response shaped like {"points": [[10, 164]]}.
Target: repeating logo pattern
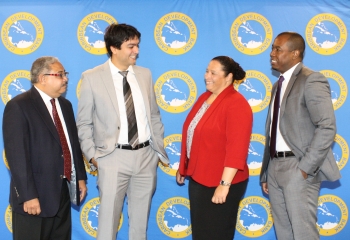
{"points": [[22, 33], [15, 83], [175, 91], [8, 218], [256, 88], [5, 159], [255, 153], [251, 33], [173, 217], [172, 146], [175, 33], [91, 30], [89, 217], [339, 91], [332, 215], [340, 151], [254, 217], [326, 34]]}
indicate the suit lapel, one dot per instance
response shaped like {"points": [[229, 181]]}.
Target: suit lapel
{"points": [[41, 108], [289, 87], [66, 113], [107, 80]]}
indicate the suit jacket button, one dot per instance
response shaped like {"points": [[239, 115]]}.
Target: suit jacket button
{"points": [[61, 176], [118, 128]]}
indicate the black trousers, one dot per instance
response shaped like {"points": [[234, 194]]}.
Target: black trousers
{"points": [[212, 221], [58, 227]]}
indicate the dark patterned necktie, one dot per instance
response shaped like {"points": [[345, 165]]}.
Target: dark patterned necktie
{"points": [[133, 137], [65, 149], [276, 107]]}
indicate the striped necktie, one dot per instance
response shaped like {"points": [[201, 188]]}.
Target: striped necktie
{"points": [[133, 137]]}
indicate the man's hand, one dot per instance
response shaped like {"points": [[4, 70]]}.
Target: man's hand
{"points": [[82, 189], [220, 194], [265, 188], [304, 174], [32, 206], [94, 162]]}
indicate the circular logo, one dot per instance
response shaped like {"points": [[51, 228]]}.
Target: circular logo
{"points": [[343, 148], [172, 146], [78, 89], [5, 159], [14, 84], [89, 217], [173, 217], [22, 33], [256, 88], [332, 215], [255, 153], [175, 33], [339, 91], [175, 91], [254, 217], [251, 33], [326, 34], [87, 167], [90, 32], [8, 218]]}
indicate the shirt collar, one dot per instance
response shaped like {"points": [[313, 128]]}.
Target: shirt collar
{"points": [[115, 70], [43, 95], [288, 74]]}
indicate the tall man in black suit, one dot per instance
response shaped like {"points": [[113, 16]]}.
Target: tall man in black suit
{"points": [[40, 134]]}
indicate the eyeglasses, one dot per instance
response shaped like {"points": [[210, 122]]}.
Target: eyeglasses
{"points": [[61, 75]]}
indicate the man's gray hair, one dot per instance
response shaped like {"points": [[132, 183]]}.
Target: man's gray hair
{"points": [[41, 65]]}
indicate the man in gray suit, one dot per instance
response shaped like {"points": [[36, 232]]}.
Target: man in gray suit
{"points": [[121, 133], [298, 153]]}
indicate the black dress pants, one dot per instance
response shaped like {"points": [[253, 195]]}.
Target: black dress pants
{"points": [[212, 221], [58, 227]]}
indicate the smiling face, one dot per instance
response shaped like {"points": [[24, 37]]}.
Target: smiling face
{"points": [[282, 58], [127, 54], [215, 78]]}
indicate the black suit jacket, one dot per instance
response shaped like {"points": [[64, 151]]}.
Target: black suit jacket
{"points": [[34, 151]]}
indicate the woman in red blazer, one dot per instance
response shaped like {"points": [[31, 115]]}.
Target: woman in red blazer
{"points": [[215, 141]]}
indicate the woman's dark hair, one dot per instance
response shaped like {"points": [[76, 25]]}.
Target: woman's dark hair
{"points": [[230, 66], [116, 34]]}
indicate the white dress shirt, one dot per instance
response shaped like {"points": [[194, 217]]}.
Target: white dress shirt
{"points": [[46, 98], [281, 145], [144, 132]]}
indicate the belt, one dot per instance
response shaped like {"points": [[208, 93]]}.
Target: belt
{"points": [[284, 154], [129, 147]]}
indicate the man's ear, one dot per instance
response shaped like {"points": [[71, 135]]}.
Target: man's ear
{"points": [[296, 54]]}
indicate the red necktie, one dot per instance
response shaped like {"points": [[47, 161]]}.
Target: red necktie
{"points": [[63, 140], [276, 107]]}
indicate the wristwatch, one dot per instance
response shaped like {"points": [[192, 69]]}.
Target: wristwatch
{"points": [[223, 183]]}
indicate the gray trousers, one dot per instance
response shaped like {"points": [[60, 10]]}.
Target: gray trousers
{"points": [[131, 173], [293, 199]]}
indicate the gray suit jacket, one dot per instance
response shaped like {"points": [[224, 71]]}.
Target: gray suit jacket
{"points": [[307, 124], [98, 119]]}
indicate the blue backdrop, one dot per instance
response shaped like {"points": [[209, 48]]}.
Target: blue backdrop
{"points": [[179, 38]]}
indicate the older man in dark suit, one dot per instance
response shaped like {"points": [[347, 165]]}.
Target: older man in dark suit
{"points": [[44, 156]]}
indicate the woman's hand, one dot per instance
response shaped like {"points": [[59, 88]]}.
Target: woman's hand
{"points": [[220, 194], [179, 178]]}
